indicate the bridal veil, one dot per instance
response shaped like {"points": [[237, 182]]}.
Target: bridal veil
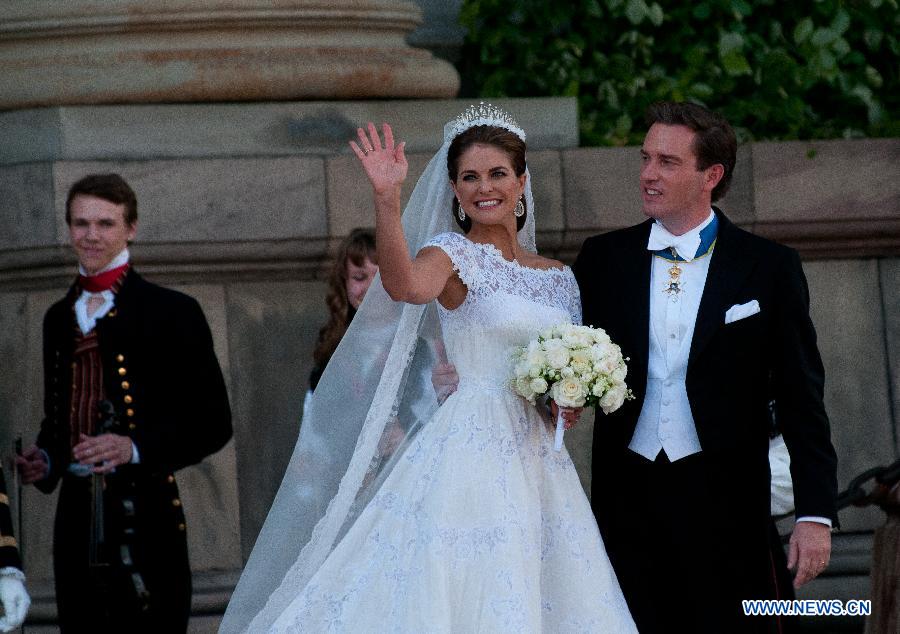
{"points": [[373, 397]]}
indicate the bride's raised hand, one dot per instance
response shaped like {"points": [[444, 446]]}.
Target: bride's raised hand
{"points": [[385, 165]]}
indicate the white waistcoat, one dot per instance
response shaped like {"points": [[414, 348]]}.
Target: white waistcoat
{"points": [[666, 421]]}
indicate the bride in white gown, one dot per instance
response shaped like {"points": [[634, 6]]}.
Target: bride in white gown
{"points": [[454, 519]]}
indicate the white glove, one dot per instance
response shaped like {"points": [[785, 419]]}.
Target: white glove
{"points": [[15, 602]]}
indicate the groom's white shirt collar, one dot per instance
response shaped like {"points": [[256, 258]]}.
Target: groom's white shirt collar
{"points": [[686, 244]]}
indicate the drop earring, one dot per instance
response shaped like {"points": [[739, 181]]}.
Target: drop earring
{"points": [[520, 209]]}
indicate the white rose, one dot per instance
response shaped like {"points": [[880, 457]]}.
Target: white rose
{"points": [[534, 355], [618, 375], [581, 370], [582, 355], [601, 337], [538, 385], [551, 344], [523, 387], [572, 340], [534, 371], [557, 354], [613, 399], [567, 372], [607, 365], [568, 393], [599, 351]]}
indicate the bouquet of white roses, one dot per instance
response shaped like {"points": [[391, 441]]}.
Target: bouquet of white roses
{"points": [[578, 365]]}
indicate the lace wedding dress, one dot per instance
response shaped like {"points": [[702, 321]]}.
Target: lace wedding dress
{"points": [[481, 526]]}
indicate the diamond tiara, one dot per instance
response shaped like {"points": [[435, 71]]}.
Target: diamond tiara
{"points": [[482, 114]]}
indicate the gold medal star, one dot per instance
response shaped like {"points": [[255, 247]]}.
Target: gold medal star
{"points": [[674, 285]]}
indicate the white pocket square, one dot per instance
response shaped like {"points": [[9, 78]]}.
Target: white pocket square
{"points": [[741, 311]]}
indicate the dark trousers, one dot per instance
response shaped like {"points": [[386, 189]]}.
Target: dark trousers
{"points": [[685, 554], [104, 600]]}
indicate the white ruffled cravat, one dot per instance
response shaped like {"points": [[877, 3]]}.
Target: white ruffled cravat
{"points": [[87, 322]]}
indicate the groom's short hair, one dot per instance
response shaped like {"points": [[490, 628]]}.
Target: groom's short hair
{"points": [[715, 141]]}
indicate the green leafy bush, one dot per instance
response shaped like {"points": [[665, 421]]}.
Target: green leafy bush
{"points": [[775, 69]]}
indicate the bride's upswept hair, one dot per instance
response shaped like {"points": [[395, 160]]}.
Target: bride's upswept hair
{"points": [[357, 248], [500, 138]]}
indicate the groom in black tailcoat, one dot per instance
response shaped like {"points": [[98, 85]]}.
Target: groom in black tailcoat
{"points": [[119, 343], [715, 323]]}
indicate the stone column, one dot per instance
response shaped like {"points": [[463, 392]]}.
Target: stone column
{"points": [[151, 51]]}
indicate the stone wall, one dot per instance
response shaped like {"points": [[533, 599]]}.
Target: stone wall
{"points": [[242, 205]]}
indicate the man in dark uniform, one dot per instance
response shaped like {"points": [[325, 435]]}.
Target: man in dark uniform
{"points": [[133, 392], [13, 597]]}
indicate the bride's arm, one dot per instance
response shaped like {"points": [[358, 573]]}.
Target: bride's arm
{"points": [[413, 280]]}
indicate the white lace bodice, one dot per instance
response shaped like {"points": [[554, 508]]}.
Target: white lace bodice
{"points": [[507, 304]]}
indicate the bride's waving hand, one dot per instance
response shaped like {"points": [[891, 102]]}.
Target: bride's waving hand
{"points": [[385, 165], [415, 281]]}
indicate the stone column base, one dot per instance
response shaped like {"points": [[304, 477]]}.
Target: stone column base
{"points": [[153, 51]]}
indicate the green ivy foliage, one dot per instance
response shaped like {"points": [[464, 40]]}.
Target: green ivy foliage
{"points": [[776, 69]]}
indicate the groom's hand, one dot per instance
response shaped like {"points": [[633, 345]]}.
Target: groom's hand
{"points": [[809, 551]]}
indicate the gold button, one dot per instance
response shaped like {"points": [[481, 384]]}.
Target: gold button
{"points": [[170, 479], [126, 385], [132, 426], [129, 412], [128, 399], [122, 371], [113, 312], [176, 502], [120, 358], [181, 527]]}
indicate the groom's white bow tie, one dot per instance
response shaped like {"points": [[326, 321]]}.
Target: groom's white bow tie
{"points": [[685, 245]]}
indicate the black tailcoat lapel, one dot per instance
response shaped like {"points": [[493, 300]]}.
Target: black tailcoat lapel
{"points": [[633, 305], [730, 265]]}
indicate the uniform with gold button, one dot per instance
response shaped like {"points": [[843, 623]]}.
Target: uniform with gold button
{"points": [[160, 373], [9, 552]]}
